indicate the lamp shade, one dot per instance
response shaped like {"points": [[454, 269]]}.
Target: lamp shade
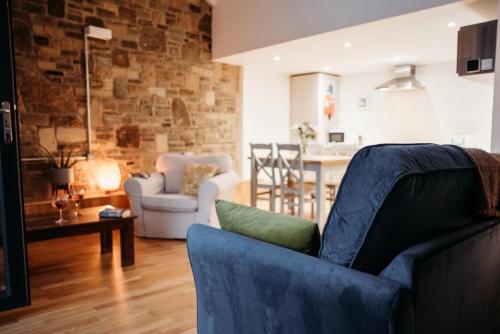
{"points": [[108, 175]]}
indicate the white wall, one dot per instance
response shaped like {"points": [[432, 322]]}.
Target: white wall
{"points": [[450, 105], [266, 110], [495, 128], [243, 25]]}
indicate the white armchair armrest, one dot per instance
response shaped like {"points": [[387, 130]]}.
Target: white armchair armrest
{"points": [[222, 186], [136, 188]]}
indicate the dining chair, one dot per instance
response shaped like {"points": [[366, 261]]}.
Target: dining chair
{"points": [[331, 190], [292, 184], [332, 184], [263, 177]]}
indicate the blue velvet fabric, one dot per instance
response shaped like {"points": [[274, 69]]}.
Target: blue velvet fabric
{"points": [[248, 286], [403, 268], [454, 280], [405, 222], [395, 196]]}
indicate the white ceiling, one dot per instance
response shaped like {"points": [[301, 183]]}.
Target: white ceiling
{"points": [[418, 38]]}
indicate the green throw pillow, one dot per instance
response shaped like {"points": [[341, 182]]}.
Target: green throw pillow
{"points": [[281, 230]]}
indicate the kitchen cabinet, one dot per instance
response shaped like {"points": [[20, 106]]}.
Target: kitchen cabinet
{"points": [[476, 48]]}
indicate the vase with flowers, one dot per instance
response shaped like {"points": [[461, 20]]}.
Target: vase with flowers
{"points": [[306, 133]]}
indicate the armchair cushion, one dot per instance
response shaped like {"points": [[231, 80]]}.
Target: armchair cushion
{"points": [[173, 165], [170, 202], [194, 176], [395, 196], [286, 231]]}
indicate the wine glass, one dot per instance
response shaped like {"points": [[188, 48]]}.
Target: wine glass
{"points": [[60, 201], [77, 197]]}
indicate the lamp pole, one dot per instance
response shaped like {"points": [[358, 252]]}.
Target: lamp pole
{"points": [[104, 35], [87, 90]]}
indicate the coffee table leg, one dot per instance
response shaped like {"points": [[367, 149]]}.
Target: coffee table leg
{"points": [[106, 241], [127, 244]]}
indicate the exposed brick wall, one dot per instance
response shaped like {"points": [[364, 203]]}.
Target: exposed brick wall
{"points": [[154, 88]]}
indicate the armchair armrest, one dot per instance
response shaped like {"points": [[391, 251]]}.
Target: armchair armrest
{"points": [[222, 186], [404, 267], [453, 280], [248, 286], [137, 186]]}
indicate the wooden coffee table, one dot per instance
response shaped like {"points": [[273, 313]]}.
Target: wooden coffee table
{"points": [[44, 227]]}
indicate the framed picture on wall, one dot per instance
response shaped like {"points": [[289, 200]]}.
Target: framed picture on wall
{"points": [[363, 104]]}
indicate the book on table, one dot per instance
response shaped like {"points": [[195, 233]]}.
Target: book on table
{"points": [[112, 212]]}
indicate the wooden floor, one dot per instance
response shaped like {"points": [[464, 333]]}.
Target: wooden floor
{"points": [[75, 289]]}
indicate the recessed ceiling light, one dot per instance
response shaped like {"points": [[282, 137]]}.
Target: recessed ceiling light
{"points": [[452, 24], [277, 58], [396, 58], [347, 45], [328, 68]]}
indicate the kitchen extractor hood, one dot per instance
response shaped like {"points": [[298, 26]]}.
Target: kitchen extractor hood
{"points": [[404, 80]]}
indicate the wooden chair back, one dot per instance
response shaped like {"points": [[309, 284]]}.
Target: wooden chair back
{"points": [[291, 172], [263, 163]]}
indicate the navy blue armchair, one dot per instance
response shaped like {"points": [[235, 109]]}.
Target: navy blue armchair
{"points": [[403, 251]]}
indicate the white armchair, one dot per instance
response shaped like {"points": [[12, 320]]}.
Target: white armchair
{"points": [[163, 212]]}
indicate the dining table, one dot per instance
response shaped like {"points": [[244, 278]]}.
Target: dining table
{"points": [[320, 165]]}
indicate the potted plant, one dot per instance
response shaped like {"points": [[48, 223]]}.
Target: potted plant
{"points": [[61, 171]]}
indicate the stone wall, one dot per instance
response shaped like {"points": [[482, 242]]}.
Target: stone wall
{"points": [[154, 87]]}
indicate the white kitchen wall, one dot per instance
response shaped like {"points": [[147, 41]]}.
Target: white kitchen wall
{"points": [[449, 106], [266, 110]]}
